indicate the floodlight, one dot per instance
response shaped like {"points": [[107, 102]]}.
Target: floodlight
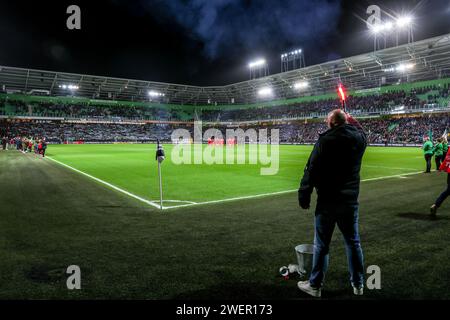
{"points": [[377, 28], [153, 93], [265, 92], [388, 26], [69, 86], [403, 67], [301, 85], [257, 63], [404, 21]]}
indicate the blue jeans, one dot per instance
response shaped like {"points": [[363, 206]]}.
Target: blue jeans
{"points": [[346, 217], [444, 194]]}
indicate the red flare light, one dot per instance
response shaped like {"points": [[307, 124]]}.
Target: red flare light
{"points": [[342, 92]]}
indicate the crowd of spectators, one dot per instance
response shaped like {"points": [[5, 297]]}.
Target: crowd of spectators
{"points": [[392, 130], [415, 98], [367, 103], [389, 130], [66, 132]]}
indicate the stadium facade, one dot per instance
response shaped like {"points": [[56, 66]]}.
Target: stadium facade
{"points": [[397, 92], [419, 61]]}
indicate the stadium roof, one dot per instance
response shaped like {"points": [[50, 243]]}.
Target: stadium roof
{"points": [[421, 60]]}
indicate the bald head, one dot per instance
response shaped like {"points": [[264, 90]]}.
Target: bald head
{"points": [[336, 118]]}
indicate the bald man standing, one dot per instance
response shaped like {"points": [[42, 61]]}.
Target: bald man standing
{"points": [[333, 170]]}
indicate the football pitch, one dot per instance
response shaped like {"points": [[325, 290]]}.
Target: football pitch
{"points": [[133, 169], [224, 234]]}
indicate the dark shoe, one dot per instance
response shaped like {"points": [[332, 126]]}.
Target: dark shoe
{"points": [[433, 211]]}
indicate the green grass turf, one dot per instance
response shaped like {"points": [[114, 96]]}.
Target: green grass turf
{"points": [[52, 217], [133, 168]]}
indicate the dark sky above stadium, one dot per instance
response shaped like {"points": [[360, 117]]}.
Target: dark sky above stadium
{"points": [[201, 42]]}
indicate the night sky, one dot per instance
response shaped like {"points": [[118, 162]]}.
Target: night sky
{"points": [[199, 42]]}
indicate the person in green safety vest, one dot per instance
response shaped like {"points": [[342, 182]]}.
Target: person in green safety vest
{"points": [[428, 153], [445, 145], [438, 151]]}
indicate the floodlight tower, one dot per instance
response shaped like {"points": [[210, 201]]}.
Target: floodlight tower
{"points": [[292, 60], [383, 31], [405, 23], [258, 68]]}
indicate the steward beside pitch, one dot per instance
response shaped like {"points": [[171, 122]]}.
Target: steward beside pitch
{"points": [[334, 165], [428, 153], [333, 169], [438, 151]]}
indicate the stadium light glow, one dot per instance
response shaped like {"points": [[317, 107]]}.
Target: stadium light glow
{"points": [[388, 26], [403, 67], [69, 87], [301, 85], [257, 63], [382, 27], [265, 92], [377, 28], [152, 93], [292, 53], [404, 21]]}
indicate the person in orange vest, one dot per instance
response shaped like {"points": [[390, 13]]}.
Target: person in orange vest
{"points": [[445, 166]]}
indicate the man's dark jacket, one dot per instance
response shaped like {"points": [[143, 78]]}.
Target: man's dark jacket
{"points": [[334, 165]]}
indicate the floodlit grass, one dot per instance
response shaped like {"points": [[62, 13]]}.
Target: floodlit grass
{"points": [[52, 217], [133, 168]]}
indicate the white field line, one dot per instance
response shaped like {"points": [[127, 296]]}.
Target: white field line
{"points": [[385, 167], [394, 176], [176, 201], [232, 199], [190, 203], [287, 191], [107, 184]]}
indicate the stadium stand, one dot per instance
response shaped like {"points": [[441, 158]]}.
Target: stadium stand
{"points": [[396, 130], [394, 117], [418, 98], [397, 113]]}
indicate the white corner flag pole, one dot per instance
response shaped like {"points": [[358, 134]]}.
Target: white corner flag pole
{"points": [[160, 158], [160, 186]]}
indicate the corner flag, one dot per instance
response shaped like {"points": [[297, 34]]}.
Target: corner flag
{"points": [[160, 156]]}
